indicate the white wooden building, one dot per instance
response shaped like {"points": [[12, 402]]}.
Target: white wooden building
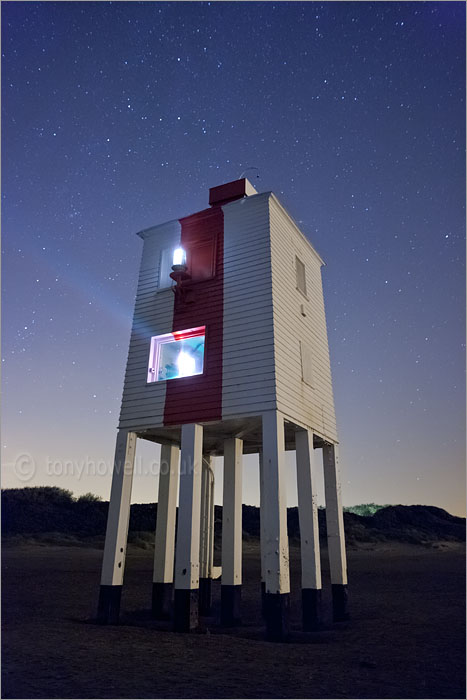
{"points": [[235, 362]]}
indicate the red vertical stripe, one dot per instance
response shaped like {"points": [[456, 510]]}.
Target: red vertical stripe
{"points": [[199, 398]]}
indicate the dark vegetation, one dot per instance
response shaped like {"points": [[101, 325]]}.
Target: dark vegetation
{"points": [[33, 512]]}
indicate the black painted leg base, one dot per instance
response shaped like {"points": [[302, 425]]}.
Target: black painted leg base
{"points": [[340, 602], [108, 609], [205, 597], [311, 609], [162, 598], [277, 607], [186, 610], [231, 599]]}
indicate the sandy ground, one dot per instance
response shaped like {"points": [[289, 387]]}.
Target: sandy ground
{"points": [[405, 638]]}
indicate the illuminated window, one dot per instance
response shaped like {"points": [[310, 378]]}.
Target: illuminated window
{"points": [[200, 252], [301, 277], [177, 354]]}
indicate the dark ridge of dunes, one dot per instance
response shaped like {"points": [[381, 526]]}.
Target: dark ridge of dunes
{"points": [[32, 511], [405, 522]]}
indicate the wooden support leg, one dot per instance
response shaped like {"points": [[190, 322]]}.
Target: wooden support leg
{"points": [[232, 533], [335, 533], [309, 532], [206, 550], [262, 510], [116, 536], [164, 546], [275, 545], [187, 553], [212, 521]]}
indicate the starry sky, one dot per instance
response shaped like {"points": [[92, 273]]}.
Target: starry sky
{"points": [[120, 115]]}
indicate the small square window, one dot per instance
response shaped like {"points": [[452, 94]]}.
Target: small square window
{"points": [[177, 354], [300, 275], [201, 259]]}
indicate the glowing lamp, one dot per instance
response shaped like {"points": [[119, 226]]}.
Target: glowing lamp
{"points": [[179, 257], [179, 273], [186, 364]]}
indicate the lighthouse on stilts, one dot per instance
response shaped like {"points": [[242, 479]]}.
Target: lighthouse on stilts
{"points": [[228, 356]]}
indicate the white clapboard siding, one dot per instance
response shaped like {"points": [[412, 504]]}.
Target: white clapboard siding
{"points": [[312, 406], [264, 328], [142, 403], [248, 344]]}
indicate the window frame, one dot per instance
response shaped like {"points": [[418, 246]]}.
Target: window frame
{"points": [[168, 251], [299, 261], [203, 240], [166, 256], [156, 343]]}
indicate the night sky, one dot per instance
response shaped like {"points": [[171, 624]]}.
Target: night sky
{"points": [[118, 116]]}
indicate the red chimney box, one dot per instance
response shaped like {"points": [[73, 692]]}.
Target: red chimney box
{"points": [[231, 191]]}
